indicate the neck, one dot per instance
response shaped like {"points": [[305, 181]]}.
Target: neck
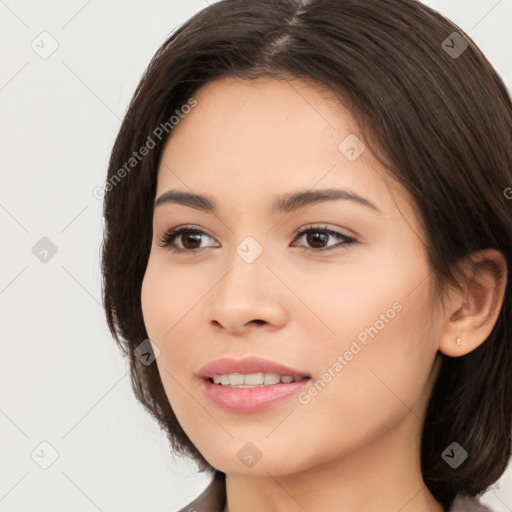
{"points": [[382, 476]]}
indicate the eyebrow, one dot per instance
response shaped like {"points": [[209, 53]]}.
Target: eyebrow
{"points": [[285, 203]]}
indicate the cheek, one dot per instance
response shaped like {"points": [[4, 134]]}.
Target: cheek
{"points": [[170, 304], [386, 340], [165, 314], [378, 320], [167, 297], [153, 298]]}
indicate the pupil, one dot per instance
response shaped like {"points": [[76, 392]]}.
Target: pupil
{"points": [[312, 236], [191, 235]]}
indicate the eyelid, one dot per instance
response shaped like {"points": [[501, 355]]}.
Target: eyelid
{"points": [[324, 227], [347, 240], [176, 231]]}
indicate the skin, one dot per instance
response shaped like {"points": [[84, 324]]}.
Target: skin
{"points": [[355, 445]]}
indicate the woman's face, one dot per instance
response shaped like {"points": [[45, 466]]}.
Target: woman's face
{"points": [[346, 305]]}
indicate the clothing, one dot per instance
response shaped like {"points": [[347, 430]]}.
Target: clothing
{"points": [[213, 499], [466, 504]]}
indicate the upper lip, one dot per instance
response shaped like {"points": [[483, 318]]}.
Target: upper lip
{"points": [[247, 365]]}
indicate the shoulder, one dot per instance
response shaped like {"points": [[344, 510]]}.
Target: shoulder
{"points": [[212, 499], [468, 504]]}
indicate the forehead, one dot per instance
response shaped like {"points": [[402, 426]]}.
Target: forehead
{"points": [[245, 141]]}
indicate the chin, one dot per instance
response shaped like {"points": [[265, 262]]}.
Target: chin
{"points": [[256, 458]]}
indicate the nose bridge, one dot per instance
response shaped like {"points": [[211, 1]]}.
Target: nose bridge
{"points": [[248, 270], [246, 291]]}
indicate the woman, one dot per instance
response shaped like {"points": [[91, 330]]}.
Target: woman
{"points": [[306, 253]]}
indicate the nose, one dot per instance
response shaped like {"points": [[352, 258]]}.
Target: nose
{"points": [[247, 295]]}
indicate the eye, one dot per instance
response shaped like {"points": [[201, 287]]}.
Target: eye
{"points": [[189, 239], [319, 235]]}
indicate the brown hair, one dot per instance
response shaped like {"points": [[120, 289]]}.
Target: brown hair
{"points": [[435, 111]]}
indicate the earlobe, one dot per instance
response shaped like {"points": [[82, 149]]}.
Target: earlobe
{"points": [[475, 308], [459, 341]]}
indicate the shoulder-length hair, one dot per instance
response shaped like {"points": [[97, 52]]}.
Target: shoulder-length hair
{"points": [[433, 111]]}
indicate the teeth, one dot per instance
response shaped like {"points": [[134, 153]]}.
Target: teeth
{"points": [[224, 380], [271, 378], [236, 380], [253, 379], [250, 380]]}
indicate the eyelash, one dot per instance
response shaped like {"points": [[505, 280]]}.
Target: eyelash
{"points": [[169, 236]]}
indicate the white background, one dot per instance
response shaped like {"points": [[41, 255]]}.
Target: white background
{"points": [[62, 379]]}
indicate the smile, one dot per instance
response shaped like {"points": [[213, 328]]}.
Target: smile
{"points": [[250, 380], [250, 384]]}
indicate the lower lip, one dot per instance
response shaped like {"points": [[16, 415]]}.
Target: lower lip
{"points": [[251, 399]]}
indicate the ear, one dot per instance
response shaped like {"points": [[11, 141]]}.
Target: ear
{"points": [[473, 312]]}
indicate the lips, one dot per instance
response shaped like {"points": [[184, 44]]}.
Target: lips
{"points": [[222, 383], [249, 365]]}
